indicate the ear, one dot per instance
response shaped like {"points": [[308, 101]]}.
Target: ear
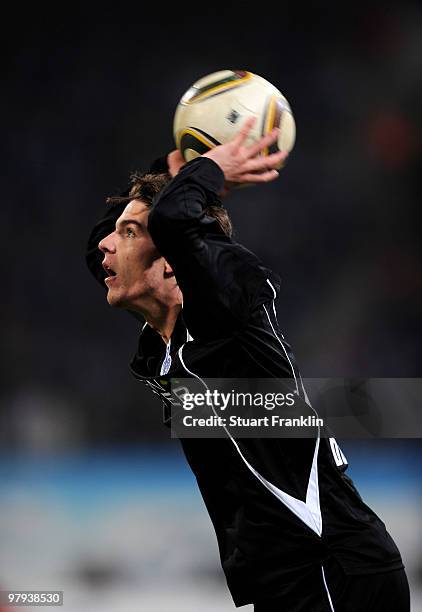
{"points": [[168, 270]]}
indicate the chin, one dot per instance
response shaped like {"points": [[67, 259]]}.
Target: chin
{"points": [[119, 301], [114, 300]]}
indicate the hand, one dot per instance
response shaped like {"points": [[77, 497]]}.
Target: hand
{"points": [[175, 161], [240, 163]]}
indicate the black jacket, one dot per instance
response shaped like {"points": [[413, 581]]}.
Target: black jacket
{"points": [[278, 506]]}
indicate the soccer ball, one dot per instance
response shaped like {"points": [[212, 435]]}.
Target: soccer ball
{"points": [[215, 107]]}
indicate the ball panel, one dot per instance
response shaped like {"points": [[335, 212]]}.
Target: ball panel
{"points": [[190, 154], [191, 139], [287, 137], [198, 94], [219, 119], [270, 119], [212, 77]]}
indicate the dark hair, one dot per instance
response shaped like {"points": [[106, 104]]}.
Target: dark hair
{"points": [[145, 186]]}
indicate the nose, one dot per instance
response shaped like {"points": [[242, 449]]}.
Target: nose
{"points": [[106, 245]]}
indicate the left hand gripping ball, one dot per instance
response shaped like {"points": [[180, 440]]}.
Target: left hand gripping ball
{"points": [[214, 108]]}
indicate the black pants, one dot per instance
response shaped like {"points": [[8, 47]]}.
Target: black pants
{"points": [[332, 590]]}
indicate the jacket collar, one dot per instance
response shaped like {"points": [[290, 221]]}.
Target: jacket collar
{"points": [[151, 348]]}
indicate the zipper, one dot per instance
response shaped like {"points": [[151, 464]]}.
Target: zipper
{"points": [[165, 366]]}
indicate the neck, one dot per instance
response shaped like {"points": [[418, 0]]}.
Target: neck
{"points": [[162, 318], [165, 321]]}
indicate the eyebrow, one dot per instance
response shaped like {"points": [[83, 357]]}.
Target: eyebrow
{"points": [[125, 222]]}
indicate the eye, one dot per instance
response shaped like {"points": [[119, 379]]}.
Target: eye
{"points": [[130, 232]]}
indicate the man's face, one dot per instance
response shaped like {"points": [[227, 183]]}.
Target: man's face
{"points": [[134, 267]]}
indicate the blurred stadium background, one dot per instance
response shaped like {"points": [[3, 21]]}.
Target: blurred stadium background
{"points": [[95, 499]]}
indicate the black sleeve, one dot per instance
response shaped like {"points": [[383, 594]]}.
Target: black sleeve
{"points": [[107, 223], [221, 281]]}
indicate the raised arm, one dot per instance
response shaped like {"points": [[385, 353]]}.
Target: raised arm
{"points": [[221, 281]]}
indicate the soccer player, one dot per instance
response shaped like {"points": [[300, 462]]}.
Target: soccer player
{"points": [[293, 532]]}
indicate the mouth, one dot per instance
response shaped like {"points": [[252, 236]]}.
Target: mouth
{"points": [[109, 272]]}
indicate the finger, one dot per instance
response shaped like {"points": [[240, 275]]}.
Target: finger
{"points": [[175, 161], [265, 163], [263, 142], [263, 177], [243, 133]]}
